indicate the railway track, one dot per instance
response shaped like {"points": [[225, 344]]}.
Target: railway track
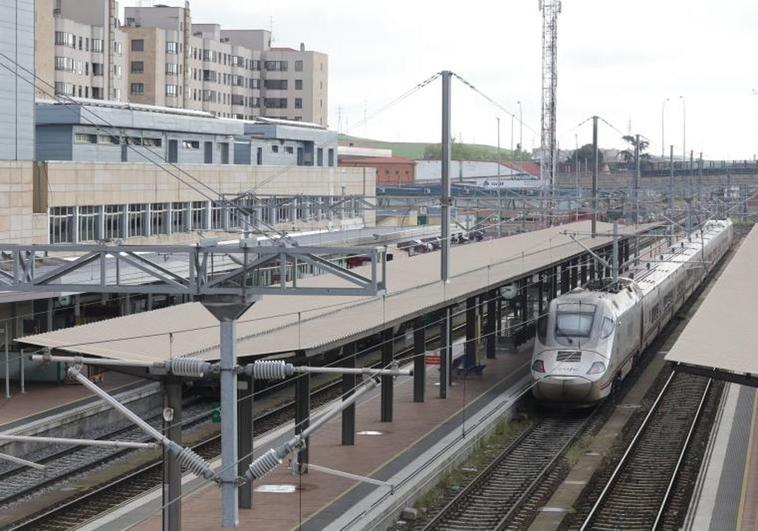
{"points": [[492, 499], [639, 492], [85, 507]]}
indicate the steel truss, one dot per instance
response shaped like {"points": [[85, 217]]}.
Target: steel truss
{"points": [[213, 270]]}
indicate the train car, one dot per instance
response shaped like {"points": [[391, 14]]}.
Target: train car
{"points": [[590, 338]]}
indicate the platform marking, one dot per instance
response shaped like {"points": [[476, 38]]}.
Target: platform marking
{"points": [[745, 471]]}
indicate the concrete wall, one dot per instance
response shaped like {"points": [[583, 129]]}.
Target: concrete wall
{"points": [[17, 95], [44, 48], [17, 223]]}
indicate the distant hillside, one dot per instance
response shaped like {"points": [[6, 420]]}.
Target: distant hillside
{"points": [[422, 150]]}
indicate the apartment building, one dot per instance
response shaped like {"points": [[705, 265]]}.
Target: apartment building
{"points": [[80, 49], [230, 73]]}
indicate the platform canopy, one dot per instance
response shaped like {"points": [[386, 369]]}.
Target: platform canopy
{"points": [[721, 338], [287, 323]]}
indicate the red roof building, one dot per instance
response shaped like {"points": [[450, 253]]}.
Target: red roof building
{"points": [[389, 170]]}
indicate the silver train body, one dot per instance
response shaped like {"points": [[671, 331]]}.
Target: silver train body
{"points": [[588, 341]]}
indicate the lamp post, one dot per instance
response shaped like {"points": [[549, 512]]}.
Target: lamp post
{"points": [[663, 128], [684, 128], [499, 213], [520, 126]]}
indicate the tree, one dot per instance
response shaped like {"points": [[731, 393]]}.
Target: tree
{"points": [[586, 155], [627, 155]]}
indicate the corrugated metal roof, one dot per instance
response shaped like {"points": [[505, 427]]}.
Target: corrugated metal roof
{"points": [[723, 334], [287, 323]]}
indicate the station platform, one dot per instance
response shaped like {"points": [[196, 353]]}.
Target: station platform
{"points": [[382, 450], [46, 399], [727, 490]]}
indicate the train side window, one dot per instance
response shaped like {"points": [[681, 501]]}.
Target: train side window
{"points": [[607, 327], [542, 329]]}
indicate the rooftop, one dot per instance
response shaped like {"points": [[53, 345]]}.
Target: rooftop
{"points": [[271, 326]]}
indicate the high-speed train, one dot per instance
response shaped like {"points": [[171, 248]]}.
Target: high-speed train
{"points": [[589, 339]]}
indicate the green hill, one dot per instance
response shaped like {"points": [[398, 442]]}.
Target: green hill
{"points": [[423, 150]]}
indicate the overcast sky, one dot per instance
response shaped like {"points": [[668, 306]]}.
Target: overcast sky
{"points": [[619, 60]]}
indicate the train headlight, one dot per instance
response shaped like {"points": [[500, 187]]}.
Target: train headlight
{"points": [[538, 366], [597, 368]]}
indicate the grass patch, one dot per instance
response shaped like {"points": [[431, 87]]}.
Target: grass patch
{"points": [[577, 450]]}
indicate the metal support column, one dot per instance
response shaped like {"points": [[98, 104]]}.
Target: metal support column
{"points": [[172, 470], [245, 390], [541, 293], [594, 175], [491, 324], [302, 410], [445, 176], [565, 280], [348, 388], [637, 180], [419, 363], [471, 339], [671, 179], [524, 299], [554, 283], [387, 381], [227, 309], [445, 350], [574, 272], [583, 269]]}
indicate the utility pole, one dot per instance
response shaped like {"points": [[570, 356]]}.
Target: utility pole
{"points": [[445, 177], [499, 204], [520, 128], [684, 129], [595, 164], [671, 180], [513, 120], [663, 128], [700, 178], [689, 173], [637, 180]]}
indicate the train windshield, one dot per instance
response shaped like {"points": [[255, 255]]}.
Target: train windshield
{"points": [[574, 320]]}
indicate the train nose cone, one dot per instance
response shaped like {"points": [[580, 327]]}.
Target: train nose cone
{"points": [[563, 389]]}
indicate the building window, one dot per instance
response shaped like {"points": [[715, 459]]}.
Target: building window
{"points": [[217, 217], [198, 215], [298, 84], [112, 222], [275, 66], [67, 89], [179, 217], [84, 138], [138, 67], [117, 71], [298, 103], [255, 103], [275, 84], [172, 47], [138, 45], [63, 38], [117, 48], [331, 157], [97, 69], [108, 140], [97, 93], [298, 66], [275, 103], [97, 45], [88, 223], [289, 149], [137, 220], [320, 156], [171, 90], [152, 142], [159, 218], [61, 224], [172, 69], [138, 88], [191, 144]]}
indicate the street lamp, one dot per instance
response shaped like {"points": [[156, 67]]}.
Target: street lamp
{"points": [[663, 128], [521, 126], [499, 214], [684, 128]]}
